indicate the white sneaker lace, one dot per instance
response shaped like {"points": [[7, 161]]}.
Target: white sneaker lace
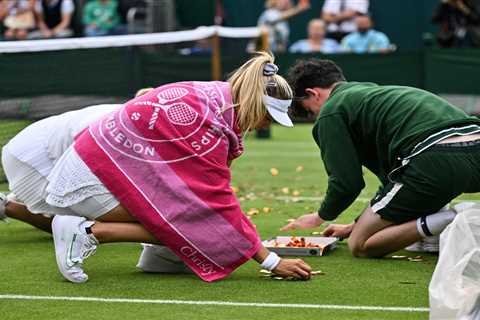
{"points": [[89, 247]]}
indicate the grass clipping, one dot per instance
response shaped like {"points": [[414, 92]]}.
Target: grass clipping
{"points": [[271, 275]]}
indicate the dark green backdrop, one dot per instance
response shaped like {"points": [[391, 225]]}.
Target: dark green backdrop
{"points": [[121, 71]]}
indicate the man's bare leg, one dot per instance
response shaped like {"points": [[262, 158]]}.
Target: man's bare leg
{"points": [[374, 237], [19, 211]]}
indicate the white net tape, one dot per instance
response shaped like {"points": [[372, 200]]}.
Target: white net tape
{"points": [[127, 40]]}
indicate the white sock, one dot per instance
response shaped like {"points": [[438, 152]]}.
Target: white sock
{"points": [[87, 226], [434, 224]]}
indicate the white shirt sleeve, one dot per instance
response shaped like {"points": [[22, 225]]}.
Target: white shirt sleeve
{"points": [[269, 16], [358, 5], [38, 6], [331, 6], [295, 48], [68, 7]]}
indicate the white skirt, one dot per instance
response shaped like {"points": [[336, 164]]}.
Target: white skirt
{"points": [[30, 187]]}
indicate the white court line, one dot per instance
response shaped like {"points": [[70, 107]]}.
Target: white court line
{"points": [[294, 199], [283, 154], [215, 303], [362, 200], [290, 144]]}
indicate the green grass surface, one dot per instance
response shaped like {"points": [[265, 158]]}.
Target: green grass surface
{"points": [[28, 265]]}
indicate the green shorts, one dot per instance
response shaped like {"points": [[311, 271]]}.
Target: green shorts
{"points": [[430, 181]]}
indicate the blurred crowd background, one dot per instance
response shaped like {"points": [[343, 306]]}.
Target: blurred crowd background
{"points": [[429, 44], [325, 26]]}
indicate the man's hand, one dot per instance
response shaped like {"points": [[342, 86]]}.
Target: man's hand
{"points": [[303, 4], [295, 268], [341, 231], [307, 221]]}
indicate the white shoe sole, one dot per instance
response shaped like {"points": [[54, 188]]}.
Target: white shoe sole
{"points": [[426, 245], [63, 236], [159, 259], [415, 247]]}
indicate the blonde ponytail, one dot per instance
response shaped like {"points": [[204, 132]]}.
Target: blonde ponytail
{"points": [[249, 85]]}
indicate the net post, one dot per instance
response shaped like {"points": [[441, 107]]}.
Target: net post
{"points": [[216, 58], [264, 43], [264, 133]]}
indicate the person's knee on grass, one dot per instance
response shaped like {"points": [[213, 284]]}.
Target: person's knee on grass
{"points": [[363, 250], [357, 249]]}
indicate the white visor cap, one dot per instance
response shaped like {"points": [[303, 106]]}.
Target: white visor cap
{"points": [[278, 109]]}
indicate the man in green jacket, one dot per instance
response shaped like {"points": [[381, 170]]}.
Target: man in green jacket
{"points": [[424, 151]]}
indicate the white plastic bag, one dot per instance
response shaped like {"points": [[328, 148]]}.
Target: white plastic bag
{"points": [[455, 285]]}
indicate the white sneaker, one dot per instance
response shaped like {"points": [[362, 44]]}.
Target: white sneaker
{"points": [[4, 200], [72, 246], [427, 245], [3, 203], [415, 247], [431, 244], [160, 259]]}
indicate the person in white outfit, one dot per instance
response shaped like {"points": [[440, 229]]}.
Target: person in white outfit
{"points": [[275, 19], [29, 158], [340, 16]]}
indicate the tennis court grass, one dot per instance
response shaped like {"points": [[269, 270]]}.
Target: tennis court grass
{"points": [[28, 264]]}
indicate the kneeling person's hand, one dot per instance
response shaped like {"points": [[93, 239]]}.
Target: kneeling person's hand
{"points": [[295, 268], [341, 231]]}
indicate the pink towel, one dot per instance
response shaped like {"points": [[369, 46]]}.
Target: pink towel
{"points": [[165, 156]]}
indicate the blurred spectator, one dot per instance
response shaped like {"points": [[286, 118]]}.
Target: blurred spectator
{"points": [[101, 18], [202, 47], [340, 16], [366, 39], [459, 22], [17, 17], [275, 19], [54, 19], [316, 41]]}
